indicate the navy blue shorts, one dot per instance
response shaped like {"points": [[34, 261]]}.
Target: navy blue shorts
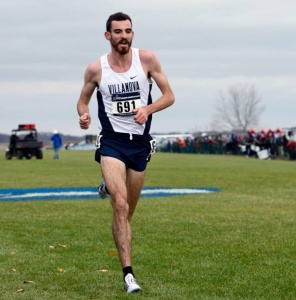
{"points": [[132, 149]]}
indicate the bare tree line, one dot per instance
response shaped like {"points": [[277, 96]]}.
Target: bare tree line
{"points": [[238, 109]]}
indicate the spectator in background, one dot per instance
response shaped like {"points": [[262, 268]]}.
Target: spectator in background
{"points": [[270, 143], [169, 146], [278, 138], [12, 144], [57, 144], [181, 145], [234, 141], [250, 141]]}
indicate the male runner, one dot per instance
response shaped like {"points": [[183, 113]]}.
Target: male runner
{"points": [[123, 79]]}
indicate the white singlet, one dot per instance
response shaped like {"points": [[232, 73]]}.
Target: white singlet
{"points": [[119, 93]]}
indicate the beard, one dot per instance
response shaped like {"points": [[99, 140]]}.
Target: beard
{"points": [[120, 47]]}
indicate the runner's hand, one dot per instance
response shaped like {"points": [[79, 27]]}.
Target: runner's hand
{"points": [[84, 121]]}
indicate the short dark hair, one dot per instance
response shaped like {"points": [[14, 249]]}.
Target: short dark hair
{"points": [[117, 17]]}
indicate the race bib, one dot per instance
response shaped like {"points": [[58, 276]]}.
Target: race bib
{"points": [[124, 103]]}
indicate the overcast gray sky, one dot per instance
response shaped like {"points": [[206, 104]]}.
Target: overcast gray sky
{"points": [[204, 47]]}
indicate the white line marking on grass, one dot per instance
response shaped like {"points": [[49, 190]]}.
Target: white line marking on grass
{"points": [[90, 193]]}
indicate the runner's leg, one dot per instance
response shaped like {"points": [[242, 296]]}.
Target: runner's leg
{"points": [[134, 184], [114, 173]]}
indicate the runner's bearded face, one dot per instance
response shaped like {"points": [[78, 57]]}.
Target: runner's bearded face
{"points": [[122, 46]]}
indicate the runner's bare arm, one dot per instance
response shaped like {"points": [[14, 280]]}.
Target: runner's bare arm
{"points": [[90, 82], [153, 68]]}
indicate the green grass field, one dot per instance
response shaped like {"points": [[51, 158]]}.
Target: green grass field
{"points": [[238, 243]]}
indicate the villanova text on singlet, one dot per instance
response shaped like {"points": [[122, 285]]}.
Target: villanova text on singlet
{"points": [[119, 93]]}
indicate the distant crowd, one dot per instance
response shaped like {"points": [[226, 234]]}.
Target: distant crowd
{"points": [[265, 144]]}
